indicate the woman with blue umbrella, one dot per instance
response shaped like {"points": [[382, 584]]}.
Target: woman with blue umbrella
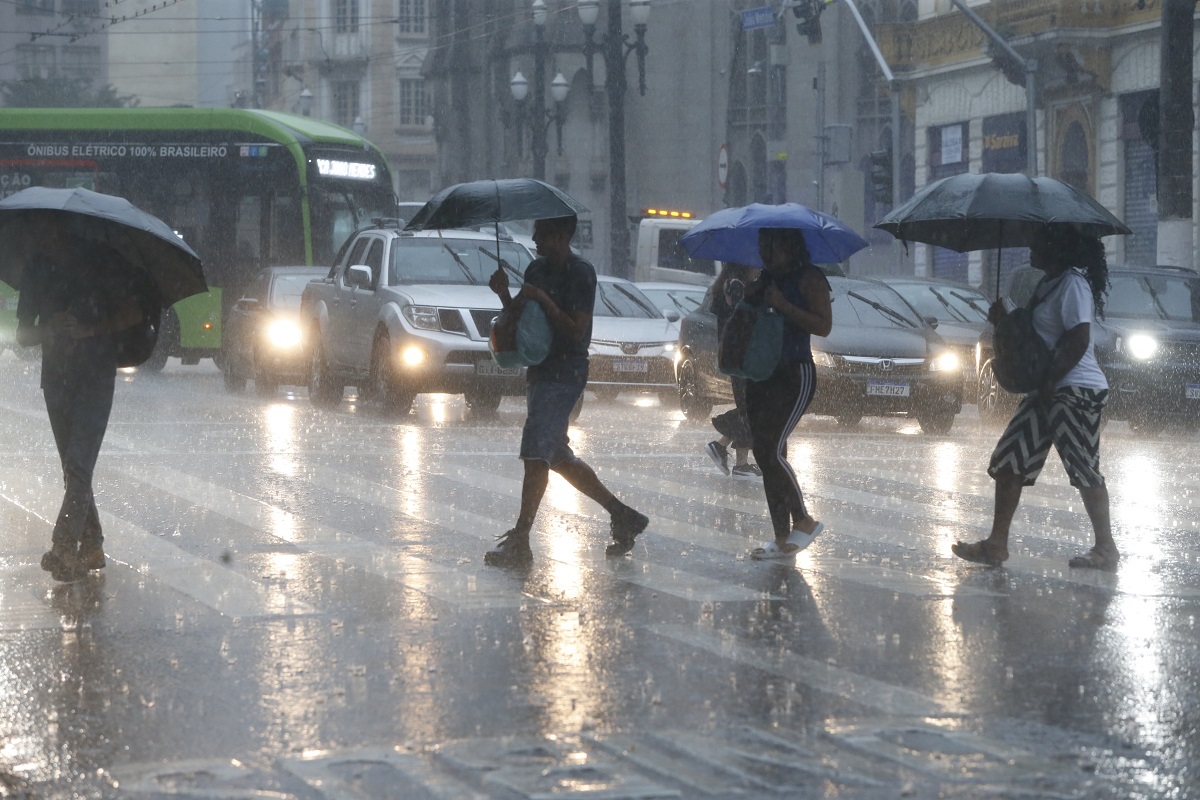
{"points": [[787, 241]]}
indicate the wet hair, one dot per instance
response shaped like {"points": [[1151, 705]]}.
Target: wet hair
{"points": [[564, 224], [1087, 253], [792, 238]]}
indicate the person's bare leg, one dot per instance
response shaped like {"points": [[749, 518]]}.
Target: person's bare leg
{"points": [[583, 478], [741, 456], [994, 549], [1106, 555], [533, 488]]}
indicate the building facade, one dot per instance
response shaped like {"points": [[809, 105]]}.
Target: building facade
{"points": [[1097, 81], [358, 63], [51, 39]]}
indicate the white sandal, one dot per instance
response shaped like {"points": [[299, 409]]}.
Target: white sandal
{"points": [[771, 551]]}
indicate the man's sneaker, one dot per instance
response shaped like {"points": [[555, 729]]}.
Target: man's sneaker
{"points": [[747, 472], [626, 525], [92, 558], [719, 455], [511, 550], [63, 564]]}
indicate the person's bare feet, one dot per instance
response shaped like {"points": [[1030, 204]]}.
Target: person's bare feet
{"points": [[981, 552]]}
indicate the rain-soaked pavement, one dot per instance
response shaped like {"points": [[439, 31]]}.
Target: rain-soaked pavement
{"points": [[295, 607]]}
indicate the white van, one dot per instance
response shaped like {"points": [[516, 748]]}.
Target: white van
{"points": [[659, 255]]}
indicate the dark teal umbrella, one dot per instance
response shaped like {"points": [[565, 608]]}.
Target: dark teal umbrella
{"points": [[471, 205], [143, 240]]}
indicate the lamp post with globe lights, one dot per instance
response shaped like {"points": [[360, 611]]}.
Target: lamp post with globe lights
{"points": [[539, 118], [614, 47]]}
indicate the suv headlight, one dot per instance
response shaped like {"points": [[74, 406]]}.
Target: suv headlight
{"points": [[947, 361], [423, 317], [283, 334], [1142, 346]]}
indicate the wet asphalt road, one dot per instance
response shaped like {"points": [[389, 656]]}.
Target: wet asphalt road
{"points": [[295, 606]]}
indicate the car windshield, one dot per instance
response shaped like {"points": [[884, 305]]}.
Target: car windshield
{"points": [[685, 301], [948, 303], [1175, 297], [286, 291], [873, 306], [623, 300], [452, 260]]}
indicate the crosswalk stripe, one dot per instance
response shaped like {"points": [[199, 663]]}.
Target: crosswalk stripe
{"points": [[210, 584], [866, 691]]}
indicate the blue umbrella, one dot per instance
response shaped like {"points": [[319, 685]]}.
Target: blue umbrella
{"points": [[731, 234]]}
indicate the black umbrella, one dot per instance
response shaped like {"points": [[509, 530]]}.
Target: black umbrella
{"points": [[470, 205], [995, 210], [143, 240]]}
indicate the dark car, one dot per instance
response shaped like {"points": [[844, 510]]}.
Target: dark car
{"points": [[957, 310], [1147, 343], [881, 358], [262, 336]]}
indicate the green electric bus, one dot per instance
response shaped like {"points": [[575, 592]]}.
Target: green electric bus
{"points": [[246, 189]]}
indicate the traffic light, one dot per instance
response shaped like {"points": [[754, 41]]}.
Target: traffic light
{"points": [[881, 176], [808, 12]]}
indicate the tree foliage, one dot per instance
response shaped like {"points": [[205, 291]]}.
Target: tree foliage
{"points": [[62, 93]]}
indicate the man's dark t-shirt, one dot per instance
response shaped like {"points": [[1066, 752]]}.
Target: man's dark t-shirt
{"points": [[572, 287], [89, 287]]}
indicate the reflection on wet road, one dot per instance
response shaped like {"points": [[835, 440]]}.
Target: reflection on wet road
{"points": [[296, 606]]}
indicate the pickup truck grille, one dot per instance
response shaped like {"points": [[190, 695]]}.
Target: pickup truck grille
{"points": [[451, 320], [482, 317]]}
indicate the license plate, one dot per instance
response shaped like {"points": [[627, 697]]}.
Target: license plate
{"points": [[887, 388], [1192, 392], [490, 369], [630, 365]]}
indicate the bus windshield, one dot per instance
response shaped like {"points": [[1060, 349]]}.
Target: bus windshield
{"points": [[337, 210]]}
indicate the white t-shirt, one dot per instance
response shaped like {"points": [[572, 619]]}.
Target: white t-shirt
{"points": [[1069, 303]]}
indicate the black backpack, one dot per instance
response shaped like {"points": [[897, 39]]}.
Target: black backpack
{"points": [[1021, 358]]}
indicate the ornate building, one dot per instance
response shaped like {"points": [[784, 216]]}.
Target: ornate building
{"points": [[1097, 75]]}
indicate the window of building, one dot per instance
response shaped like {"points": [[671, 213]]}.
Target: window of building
{"points": [[35, 6], [411, 16], [80, 7], [345, 16], [345, 103], [414, 102], [79, 61], [36, 61]]}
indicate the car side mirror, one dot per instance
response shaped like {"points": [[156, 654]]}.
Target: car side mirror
{"points": [[248, 305], [933, 321], [671, 314], [359, 275]]}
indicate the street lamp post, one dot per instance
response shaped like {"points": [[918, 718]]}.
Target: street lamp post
{"points": [[614, 47], [540, 117]]}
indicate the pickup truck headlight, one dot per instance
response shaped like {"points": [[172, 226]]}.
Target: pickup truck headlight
{"points": [[423, 317], [947, 361], [824, 360], [283, 334]]}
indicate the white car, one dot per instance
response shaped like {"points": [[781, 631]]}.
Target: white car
{"points": [[633, 344], [675, 300]]}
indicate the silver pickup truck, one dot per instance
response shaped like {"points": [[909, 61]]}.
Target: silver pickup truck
{"points": [[402, 313]]}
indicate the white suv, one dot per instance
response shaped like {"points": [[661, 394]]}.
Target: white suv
{"points": [[402, 313]]}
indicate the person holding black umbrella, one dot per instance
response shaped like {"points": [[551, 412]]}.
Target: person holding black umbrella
{"points": [[1065, 411], [564, 285], [74, 297]]}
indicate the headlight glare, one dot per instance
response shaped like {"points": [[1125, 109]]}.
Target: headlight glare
{"points": [[283, 334], [947, 361], [423, 317], [1142, 346], [412, 355]]}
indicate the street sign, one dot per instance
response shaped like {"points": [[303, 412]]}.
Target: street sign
{"points": [[723, 165], [754, 18]]}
